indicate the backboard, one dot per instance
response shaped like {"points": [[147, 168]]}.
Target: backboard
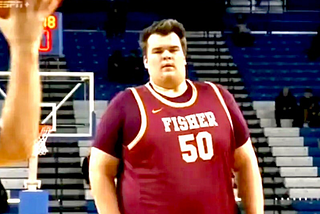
{"points": [[67, 102]]}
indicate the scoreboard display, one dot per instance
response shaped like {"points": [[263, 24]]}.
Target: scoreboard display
{"points": [[52, 39]]}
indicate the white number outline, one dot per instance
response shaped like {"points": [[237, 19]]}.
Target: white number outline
{"points": [[201, 138]]}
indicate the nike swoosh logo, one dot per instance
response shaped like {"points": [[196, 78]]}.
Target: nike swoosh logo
{"points": [[156, 110]]}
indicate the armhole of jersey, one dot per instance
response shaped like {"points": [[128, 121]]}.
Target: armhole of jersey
{"points": [[143, 125], [219, 95]]}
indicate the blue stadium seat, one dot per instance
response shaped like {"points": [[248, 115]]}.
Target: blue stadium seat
{"points": [[91, 207], [316, 161], [310, 132], [309, 205], [274, 62], [314, 152], [311, 141], [13, 209]]}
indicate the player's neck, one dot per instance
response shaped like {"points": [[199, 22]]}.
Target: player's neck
{"points": [[172, 92]]}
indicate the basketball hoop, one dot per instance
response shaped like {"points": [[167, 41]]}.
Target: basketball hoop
{"points": [[40, 146]]}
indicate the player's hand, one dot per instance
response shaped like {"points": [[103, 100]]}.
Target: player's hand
{"points": [[24, 26]]}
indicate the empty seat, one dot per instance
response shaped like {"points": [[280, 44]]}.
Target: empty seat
{"points": [[274, 62]]}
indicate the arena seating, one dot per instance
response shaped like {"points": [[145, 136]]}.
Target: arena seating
{"points": [[4, 54], [97, 21], [296, 152], [84, 151], [89, 50], [274, 20], [288, 157], [274, 62], [84, 145], [205, 61], [12, 179]]}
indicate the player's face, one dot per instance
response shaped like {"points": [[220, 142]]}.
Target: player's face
{"points": [[165, 60]]}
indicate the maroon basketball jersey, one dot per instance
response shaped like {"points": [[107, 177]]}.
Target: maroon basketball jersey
{"points": [[181, 160]]}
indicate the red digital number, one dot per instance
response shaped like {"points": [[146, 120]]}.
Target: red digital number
{"points": [[48, 41], [49, 24]]}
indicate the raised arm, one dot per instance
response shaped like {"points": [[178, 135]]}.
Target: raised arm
{"points": [[21, 112]]}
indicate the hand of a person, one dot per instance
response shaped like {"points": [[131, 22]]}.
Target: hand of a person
{"points": [[24, 26]]}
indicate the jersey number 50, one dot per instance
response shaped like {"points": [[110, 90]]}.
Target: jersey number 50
{"points": [[190, 152]]}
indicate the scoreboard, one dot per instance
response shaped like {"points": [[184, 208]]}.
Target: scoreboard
{"points": [[52, 38]]}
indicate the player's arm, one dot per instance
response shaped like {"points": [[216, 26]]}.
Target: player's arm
{"points": [[245, 166], [105, 155], [102, 171], [21, 111], [249, 179]]}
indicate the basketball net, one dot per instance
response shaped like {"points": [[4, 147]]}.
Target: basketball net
{"points": [[40, 146], [39, 149]]}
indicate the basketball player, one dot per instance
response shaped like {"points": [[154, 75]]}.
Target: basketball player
{"points": [[22, 28], [172, 144]]}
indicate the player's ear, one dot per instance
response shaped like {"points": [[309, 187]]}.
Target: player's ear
{"points": [[145, 62], [185, 58]]}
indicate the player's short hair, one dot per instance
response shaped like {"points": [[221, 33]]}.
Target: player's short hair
{"points": [[164, 27]]}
